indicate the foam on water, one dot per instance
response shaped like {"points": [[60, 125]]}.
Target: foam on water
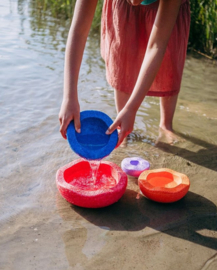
{"points": [[86, 182]]}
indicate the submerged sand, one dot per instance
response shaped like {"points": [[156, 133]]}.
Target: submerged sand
{"points": [[39, 229]]}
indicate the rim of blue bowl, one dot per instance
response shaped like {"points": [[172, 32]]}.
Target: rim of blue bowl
{"points": [[94, 153]]}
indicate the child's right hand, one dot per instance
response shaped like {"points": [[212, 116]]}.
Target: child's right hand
{"points": [[70, 110]]}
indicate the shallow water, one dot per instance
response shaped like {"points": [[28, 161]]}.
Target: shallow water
{"points": [[39, 229]]}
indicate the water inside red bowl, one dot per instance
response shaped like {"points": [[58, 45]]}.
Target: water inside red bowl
{"points": [[80, 176]]}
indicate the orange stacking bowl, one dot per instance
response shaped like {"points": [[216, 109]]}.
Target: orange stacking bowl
{"points": [[73, 183], [163, 185]]}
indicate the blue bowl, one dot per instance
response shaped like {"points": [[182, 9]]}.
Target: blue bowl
{"points": [[92, 143]]}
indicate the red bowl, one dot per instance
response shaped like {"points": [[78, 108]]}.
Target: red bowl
{"points": [[163, 185], [73, 182]]}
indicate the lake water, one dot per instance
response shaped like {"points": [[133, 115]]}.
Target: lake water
{"points": [[39, 229]]}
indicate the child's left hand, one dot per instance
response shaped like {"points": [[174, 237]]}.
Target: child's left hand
{"points": [[125, 120]]}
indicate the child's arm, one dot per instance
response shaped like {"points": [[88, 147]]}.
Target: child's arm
{"points": [[81, 23], [165, 20]]}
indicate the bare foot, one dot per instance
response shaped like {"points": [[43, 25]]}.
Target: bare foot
{"points": [[168, 136]]}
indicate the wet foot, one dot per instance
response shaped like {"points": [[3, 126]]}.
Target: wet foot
{"points": [[168, 136]]}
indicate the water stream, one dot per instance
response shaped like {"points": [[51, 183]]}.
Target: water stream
{"points": [[94, 165]]}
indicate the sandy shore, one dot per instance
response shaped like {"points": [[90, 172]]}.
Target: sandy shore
{"points": [[44, 231]]}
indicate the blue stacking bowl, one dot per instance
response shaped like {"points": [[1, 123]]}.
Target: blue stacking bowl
{"points": [[92, 143]]}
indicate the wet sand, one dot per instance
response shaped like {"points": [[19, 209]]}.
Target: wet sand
{"points": [[39, 229]]}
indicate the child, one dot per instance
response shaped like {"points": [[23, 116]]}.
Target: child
{"points": [[144, 48]]}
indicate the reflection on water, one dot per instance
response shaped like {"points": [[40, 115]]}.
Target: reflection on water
{"points": [[31, 78]]}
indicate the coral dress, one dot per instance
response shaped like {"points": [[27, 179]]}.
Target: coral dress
{"points": [[125, 32]]}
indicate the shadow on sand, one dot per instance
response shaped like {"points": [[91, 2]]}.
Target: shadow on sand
{"points": [[193, 218], [206, 157], [183, 219]]}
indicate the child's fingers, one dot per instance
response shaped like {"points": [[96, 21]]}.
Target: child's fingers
{"points": [[121, 137], [77, 123], [112, 127], [63, 126]]}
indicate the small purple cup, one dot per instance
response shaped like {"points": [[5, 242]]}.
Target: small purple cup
{"points": [[134, 166]]}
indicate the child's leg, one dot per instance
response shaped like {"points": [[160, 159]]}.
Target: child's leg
{"points": [[167, 110], [121, 99]]}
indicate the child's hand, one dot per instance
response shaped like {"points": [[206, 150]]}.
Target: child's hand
{"points": [[134, 2], [70, 110], [125, 120]]}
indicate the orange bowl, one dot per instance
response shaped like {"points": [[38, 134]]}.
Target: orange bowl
{"points": [[163, 185]]}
